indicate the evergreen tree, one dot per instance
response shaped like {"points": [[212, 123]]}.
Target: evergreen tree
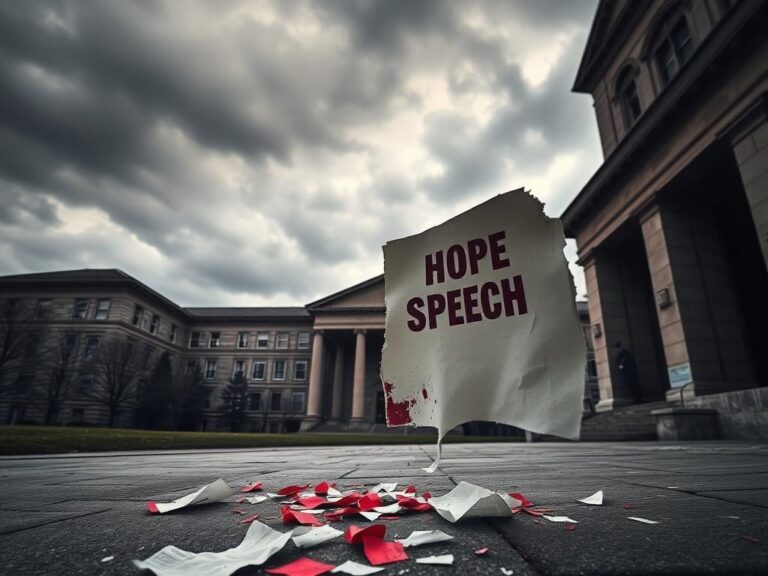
{"points": [[153, 410], [233, 402]]}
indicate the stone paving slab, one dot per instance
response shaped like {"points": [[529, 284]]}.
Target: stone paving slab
{"points": [[63, 514]]}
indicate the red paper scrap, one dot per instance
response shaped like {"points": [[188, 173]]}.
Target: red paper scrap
{"points": [[482, 551], [291, 490], [523, 499], [249, 519], [413, 504], [628, 506], [238, 511], [347, 499], [335, 515], [312, 501], [530, 511], [570, 527], [356, 534], [410, 489], [369, 502], [426, 495], [255, 487], [152, 507], [751, 539], [301, 567], [241, 500], [322, 488], [290, 516], [389, 517], [380, 552]]}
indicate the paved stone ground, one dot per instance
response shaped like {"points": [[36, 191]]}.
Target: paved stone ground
{"points": [[62, 514]]}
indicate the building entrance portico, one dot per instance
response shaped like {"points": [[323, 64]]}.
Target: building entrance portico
{"points": [[346, 354]]}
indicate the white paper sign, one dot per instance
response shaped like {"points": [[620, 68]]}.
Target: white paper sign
{"points": [[481, 323], [468, 500], [259, 544]]}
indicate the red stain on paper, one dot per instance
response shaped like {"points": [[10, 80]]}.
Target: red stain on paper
{"points": [[424, 393], [152, 507], [398, 413]]}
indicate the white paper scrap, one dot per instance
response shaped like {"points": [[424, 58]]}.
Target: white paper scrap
{"points": [[213, 492], [643, 520], [332, 492], [469, 500], [595, 500], [108, 559], [507, 571], [445, 560], [389, 487], [255, 499], [370, 516], [491, 284], [350, 567], [260, 543], [419, 537], [306, 537], [391, 509], [560, 519]]}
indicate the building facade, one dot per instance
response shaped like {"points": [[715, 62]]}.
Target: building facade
{"points": [[672, 229], [317, 365]]}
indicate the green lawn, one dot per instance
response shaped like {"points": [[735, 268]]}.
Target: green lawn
{"points": [[16, 440]]}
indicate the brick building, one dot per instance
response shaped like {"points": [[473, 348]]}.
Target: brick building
{"points": [[672, 229]]}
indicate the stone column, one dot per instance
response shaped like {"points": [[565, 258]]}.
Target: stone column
{"points": [[338, 384], [358, 389], [315, 393]]}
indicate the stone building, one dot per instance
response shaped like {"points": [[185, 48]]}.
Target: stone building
{"points": [[672, 229]]}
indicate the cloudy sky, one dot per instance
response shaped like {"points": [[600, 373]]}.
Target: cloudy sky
{"points": [[261, 152]]}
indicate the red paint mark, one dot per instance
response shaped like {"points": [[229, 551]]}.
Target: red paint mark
{"points": [[398, 413], [482, 551], [424, 393], [152, 507], [238, 511], [249, 519]]}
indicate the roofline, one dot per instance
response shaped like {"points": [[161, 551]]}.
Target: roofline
{"points": [[652, 118], [581, 71], [340, 293]]}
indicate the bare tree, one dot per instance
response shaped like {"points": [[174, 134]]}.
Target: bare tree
{"points": [[118, 368], [56, 384], [16, 329]]}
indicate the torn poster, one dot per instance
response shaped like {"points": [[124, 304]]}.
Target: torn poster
{"points": [[481, 323], [468, 500], [213, 492], [259, 544]]}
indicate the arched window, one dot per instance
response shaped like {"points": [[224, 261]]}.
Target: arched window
{"points": [[626, 93], [672, 44]]}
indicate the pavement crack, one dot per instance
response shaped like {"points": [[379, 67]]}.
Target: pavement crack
{"points": [[54, 521]]}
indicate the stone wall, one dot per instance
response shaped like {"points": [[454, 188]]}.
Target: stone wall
{"points": [[743, 415]]}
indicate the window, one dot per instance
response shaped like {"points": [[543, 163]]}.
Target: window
{"points": [[303, 342], [78, 415], [91, 347], [79, 309], [239, 367], [258, 370], [172, 333], [255, 403], [242, 340], [70, 341], [278, 370], [43, 309], [262, 341], [153, 324], [275, 400], [626, 92], [190, 367], [210, 369], [194, 340], [300, 370], [297, 402], [673, 49], [85, 384], [138, 314], [102, 308], [282, 340], [215, 340]]}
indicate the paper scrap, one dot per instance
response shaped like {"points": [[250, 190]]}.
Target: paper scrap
{"points": [[213, 492], [291, 490], [560, 519], [254, 499], [290, 516], [595, 500], [301, 567], [570, 527], [445, 560], [482, 551], [491, 284], [388, 487], [355, 569], [108, 559], [379, 552], [507, 572], [643, 520], [468, 500], [249, 519], [370, 516], [355, 534], [305, 537], [522, 499], [260, 543], [391, 509], [255, 487], [369, 501], [420, 537]]}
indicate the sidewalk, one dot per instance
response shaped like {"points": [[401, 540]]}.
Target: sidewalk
{"points": [[63, 514]]}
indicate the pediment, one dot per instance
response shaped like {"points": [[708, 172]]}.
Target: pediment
{"points": [[368, 294]]}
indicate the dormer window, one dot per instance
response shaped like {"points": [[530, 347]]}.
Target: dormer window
{"points": [[626, 92], [673, 47]]}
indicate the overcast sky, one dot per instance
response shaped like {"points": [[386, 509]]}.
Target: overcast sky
{"points": [[251, 153]]}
